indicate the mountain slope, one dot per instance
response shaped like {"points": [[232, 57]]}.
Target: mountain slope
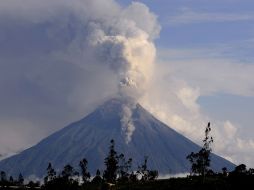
{"points": [[89, 138]]}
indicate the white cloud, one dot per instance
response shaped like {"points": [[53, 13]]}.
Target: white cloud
{"points": [[230, 129], [182, 79], [210, 74], [188, 97]]}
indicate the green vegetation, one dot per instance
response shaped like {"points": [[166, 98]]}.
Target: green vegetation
{"points": [[119, 175]]}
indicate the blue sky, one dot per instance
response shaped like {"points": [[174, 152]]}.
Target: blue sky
{"points": [[203, 70], [197, 23]]}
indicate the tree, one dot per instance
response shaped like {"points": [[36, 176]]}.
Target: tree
{"points": [[240, 169], [124, 167], [111, 163], [240, 176], [152, 175], [85, 174], [68, 172], [21, 180], [97, 178], [68, 178], [11, 180], [251, 171], [3, 176], [3, 179], [51, 174], [224, 171], [145, 173], [200, 161], [133, 177]]}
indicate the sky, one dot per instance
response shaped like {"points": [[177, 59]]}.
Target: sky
{"points": [[200, 66]]}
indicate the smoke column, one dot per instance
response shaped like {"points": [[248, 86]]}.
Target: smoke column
{"points": [[127, 124], [130, 53], [127, 49]]}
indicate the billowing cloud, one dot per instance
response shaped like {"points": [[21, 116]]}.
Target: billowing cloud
{"points": [[59, 59]]}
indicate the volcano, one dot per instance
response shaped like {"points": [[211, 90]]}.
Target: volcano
{"points": [[89, 138]]}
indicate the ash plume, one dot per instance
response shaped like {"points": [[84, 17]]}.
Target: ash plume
{"points": [[76, 54], [127, 49]]}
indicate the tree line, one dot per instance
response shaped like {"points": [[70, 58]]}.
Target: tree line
{"points": [[119, 174], [118, 169]]}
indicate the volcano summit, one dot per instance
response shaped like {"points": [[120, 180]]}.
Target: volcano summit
{"points": [[89, 138]]}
